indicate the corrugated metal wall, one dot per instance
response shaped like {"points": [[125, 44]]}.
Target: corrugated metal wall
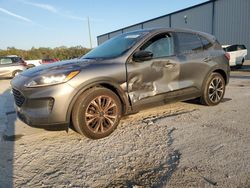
{"points": [[111, 35], [198, 18], [232, 22], [132, 28], [102, 39], [160, 22], [228, 20]]}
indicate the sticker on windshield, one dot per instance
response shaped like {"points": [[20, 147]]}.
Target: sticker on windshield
{"points": [[131, 36]]}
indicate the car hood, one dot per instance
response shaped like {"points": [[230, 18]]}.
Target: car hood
{"points": [[58, 67]]}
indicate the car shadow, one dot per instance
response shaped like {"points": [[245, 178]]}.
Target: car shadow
{"points": [[5, 78], [59, 127], [197, 101], [7, 145], [241, 69], [244, 77]]}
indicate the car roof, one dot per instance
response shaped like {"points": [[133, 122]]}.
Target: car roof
{"points": [[11, 56], [162, 29], [4, 57]]}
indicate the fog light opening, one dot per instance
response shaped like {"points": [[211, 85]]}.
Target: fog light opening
{"points": [[51, 104]]}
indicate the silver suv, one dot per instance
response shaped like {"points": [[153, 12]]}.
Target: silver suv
{"points": [[10, 66], [123, 75]]}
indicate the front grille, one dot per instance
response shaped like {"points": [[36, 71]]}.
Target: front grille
{"points": [[19, 98]]}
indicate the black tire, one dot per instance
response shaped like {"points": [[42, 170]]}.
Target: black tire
{"points": [[96, 113], [29, 66], [15, 73], [214, 90], [240, 65]]}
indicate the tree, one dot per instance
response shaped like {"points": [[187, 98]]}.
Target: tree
{"points": [[61, 52]]}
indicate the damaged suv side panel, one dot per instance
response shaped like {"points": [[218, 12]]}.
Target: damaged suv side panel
{"points": [[169, 71], [157, 75]]}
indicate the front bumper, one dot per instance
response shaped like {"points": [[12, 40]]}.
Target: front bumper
{"points": [[43, 105]]}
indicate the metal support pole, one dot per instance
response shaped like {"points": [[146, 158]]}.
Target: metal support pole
{"points": [[90, 41]]}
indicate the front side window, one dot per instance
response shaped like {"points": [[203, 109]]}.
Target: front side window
{"points": [[189, 43], [160, 46], [5, 61]]}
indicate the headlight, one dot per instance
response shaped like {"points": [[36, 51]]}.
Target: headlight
{"points": [[47, 80]]}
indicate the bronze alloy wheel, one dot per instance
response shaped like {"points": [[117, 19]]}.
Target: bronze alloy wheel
{"points": [[101, 114], [96, 112]]}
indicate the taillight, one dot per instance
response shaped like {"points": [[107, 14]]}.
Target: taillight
{"points": [[227, 55]]}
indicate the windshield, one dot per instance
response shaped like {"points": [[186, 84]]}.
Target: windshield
{"points": [[115, 46]]}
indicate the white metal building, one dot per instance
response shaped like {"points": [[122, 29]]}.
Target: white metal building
{"points": [[228, 20]]}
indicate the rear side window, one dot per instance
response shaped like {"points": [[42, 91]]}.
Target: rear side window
{"points": [[16, 59], [160, 45], [231, 48], [5, 61], [189, 42]]}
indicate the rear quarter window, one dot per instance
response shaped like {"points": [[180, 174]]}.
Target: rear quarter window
{"points": [[241, 47]]}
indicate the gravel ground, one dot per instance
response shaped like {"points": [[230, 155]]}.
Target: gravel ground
{"points": [[177, 145]]}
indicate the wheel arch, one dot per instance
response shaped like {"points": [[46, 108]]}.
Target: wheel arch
{"points": [[216, 70], [15, 71], [223, 74], [106, 84]]}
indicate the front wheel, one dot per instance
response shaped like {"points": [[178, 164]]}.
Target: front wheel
{"points": [[96, 113], [214, 90]]}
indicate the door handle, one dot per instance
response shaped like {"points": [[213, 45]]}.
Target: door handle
{"points": [[207, 59], [164, 64]]}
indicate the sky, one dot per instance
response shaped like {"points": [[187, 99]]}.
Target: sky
{"points": [[52, 23]]}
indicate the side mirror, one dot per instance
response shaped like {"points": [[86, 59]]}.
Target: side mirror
{"points": [[142, 56]]}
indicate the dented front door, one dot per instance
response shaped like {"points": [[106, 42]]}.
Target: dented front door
{"points": [[151, 78], [156, 76]]}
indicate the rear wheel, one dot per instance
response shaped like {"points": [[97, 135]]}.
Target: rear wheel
{"points": [[240, 65], [214, 90], [96, 113]]}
